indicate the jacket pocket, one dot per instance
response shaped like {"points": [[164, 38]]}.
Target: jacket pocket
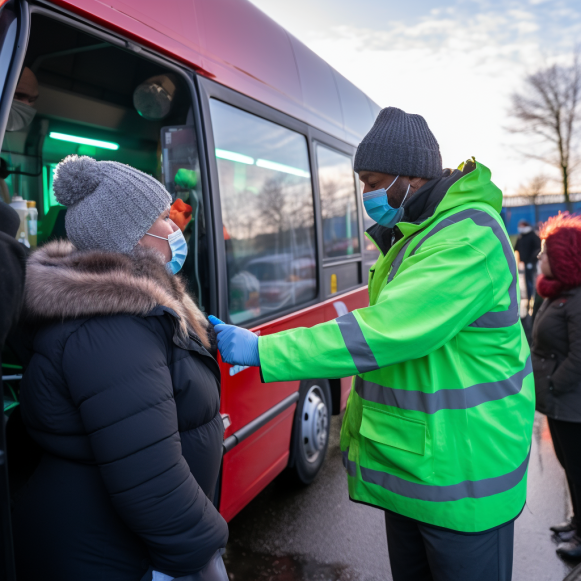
{"points": [[402, 445]]}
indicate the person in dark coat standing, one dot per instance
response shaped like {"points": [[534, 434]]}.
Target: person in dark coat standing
{"points": [[556, 358], [12, 268], [528, 245], [122, 392]]}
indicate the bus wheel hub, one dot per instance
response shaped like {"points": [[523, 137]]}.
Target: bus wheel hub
{"points": [[314, 423]]}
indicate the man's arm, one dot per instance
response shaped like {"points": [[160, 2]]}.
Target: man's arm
{"points": [[444, 289]]}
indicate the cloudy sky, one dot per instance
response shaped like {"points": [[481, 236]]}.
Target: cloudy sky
{"points": [[456, 62]]}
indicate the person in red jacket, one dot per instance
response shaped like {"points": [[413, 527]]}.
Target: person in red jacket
{"points": [[556, 357]]}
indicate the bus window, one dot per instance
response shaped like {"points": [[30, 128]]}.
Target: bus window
{"points": [[80, 95], [267, 212], [338, 203]]}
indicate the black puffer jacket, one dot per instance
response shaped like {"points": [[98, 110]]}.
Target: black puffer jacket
{"points": [[556, 357], [123, 396]]}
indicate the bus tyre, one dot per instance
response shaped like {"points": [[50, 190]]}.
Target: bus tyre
{"points": [[310, 431]]}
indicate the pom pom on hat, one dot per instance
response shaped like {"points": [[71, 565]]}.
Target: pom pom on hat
{"points": [[75, 178]]}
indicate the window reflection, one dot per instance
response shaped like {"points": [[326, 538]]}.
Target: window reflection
{"points": [[267, 212], [370, 251], [338, 203]]}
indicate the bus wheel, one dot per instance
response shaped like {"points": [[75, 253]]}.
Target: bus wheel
{"points": [[311, 430]]}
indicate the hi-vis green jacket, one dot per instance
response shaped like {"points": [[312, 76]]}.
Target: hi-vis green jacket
{"points": [[438, 425]]}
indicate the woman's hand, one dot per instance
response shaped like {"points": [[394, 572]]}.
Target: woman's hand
{"points": [[237, 346]]}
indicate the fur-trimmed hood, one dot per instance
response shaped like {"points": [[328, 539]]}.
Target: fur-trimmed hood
{"points": [[65, 283]]}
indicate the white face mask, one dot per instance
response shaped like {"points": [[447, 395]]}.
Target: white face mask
{"points": [[524, 229], [20, 116]]}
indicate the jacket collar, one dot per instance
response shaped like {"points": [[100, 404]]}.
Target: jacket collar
{"points": [[470, 183], [65, 283], [421, 206]]}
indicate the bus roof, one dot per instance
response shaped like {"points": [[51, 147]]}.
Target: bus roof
{"points": [[237, 45]]}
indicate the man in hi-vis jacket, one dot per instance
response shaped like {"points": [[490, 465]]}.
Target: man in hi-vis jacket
{"points": [[438, 426]]}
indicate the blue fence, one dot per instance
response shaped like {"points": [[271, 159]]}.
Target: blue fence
{"points": [[533, 214]]}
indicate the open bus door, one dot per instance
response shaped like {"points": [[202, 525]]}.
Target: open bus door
{"points": [[14, 24]]}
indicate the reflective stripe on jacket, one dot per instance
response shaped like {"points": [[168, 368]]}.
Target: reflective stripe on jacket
{"points": [[438, 426]]}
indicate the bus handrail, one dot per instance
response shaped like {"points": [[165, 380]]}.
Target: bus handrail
{"points": [[257, 423]]}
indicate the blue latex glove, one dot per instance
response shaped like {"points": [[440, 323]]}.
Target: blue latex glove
{"points": [[237, 346]]}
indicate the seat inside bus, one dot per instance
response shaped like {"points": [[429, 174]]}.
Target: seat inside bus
{"points": [[111, 104]]}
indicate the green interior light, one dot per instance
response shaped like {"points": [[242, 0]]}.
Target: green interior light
{"points": [[84, 140]]}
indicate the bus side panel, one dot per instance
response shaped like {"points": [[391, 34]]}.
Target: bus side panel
{"points": [[244, 396], [211, 37], [249, 467], [256, 461], [161, 33]]}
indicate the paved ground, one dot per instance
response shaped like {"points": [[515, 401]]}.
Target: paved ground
{"points": [[317, 534]]}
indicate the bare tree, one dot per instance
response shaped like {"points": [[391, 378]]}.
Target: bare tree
{"points": [[548, 108], [534, 188]]}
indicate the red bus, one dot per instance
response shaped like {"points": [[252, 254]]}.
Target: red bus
{"points": [[252, 131]]}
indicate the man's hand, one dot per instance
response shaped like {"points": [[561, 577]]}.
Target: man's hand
{"points": [[237, 346]]}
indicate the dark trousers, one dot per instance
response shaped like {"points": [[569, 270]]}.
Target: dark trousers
{"points": [[567, 442], [418, 552], [530, 279]]}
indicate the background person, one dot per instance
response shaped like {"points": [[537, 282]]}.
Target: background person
{"points": [[21, 111], [132, 434], [528, 246], [12, 268], [556, 354], [438, 425]]}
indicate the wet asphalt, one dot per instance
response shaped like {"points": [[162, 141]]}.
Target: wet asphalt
{"points": [[316, 534]]}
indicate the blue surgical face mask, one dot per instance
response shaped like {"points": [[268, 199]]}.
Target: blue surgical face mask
{"points": [[179, 250], [377, 206]]}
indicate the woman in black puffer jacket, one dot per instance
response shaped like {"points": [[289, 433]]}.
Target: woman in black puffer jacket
{"points": [[556, 357], [122, 392]]}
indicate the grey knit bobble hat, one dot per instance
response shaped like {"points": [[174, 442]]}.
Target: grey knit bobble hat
{"points": [[110, 205], [400, 143]]}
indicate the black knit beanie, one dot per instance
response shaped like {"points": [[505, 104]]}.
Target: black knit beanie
{"points": [[400, 143]]}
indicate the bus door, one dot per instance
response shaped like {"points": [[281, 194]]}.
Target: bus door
{"points": [[290, 244], [263, 202], [13, 37]]}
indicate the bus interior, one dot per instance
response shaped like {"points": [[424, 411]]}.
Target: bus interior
{"points": [[111, 104], [99, 100]]}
